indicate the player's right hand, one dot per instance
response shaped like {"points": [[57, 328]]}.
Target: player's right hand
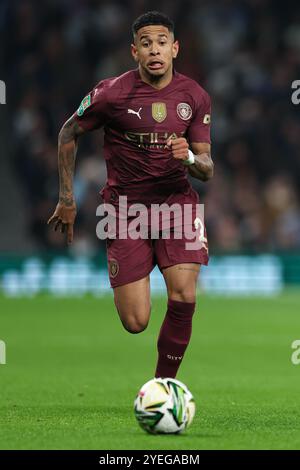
{"points": [[64, 218]]}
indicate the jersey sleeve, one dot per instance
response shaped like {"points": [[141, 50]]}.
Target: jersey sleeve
{"points": [[199, 129], [93, 110]]}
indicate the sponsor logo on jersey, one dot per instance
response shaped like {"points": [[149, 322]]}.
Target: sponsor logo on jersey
{"points": [[85, 103], [159, 111], [184, 111], [152, 140]]}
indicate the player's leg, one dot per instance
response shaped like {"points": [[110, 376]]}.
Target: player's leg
{"points": [[181, 281], [176, 330], [179, 260], [129, 263], [133, 304]]}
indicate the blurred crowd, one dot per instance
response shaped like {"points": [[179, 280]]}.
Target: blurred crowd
{"points": [[245, 53]]}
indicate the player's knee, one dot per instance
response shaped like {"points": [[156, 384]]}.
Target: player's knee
{"points": [[135, 325], [135, 320], [183, 294]]}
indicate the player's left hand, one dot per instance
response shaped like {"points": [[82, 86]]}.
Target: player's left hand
{"points": [[179, 147]]}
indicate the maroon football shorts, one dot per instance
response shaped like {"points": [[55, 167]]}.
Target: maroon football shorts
{"points": [[132, 259]]}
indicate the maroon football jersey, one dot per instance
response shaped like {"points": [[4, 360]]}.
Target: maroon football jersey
{"points": [[138, 120]]}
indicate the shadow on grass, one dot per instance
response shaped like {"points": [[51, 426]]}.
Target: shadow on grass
{"points": [[185, 435]]}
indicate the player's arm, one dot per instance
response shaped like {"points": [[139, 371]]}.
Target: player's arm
{"points": [[65, 211], [203, 166], [198, 160], [91, 114]]}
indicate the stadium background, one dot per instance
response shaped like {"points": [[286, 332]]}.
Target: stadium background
{"points": [[246, 54]]}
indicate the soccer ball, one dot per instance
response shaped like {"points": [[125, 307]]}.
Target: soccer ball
{"points": [[164, 406]]}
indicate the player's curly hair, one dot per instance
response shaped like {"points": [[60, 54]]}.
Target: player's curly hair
{"points": [[152, 18]]}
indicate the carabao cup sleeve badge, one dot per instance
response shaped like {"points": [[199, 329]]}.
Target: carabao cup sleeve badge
{"points": [[85, 103]]}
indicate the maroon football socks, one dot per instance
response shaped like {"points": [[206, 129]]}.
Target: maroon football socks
{"points": [[174, 337]]}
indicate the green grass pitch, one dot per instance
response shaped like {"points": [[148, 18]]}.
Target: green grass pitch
{"points": [[72, 374]]}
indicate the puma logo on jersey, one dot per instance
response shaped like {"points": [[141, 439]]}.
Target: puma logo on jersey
{"points": [[131, 111]]}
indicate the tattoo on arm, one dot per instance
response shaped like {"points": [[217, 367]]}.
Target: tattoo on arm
{"points": [[203, 167], [67, 148]]}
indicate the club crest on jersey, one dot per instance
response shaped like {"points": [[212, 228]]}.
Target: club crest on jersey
{"points": [[184, 111], [85, 103], [159, 111]]}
